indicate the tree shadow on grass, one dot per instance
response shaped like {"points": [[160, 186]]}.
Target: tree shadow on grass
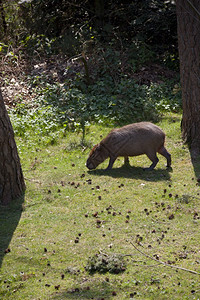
{"points": [[9, 219], [195, 159], [93, 290], [135, 173]]}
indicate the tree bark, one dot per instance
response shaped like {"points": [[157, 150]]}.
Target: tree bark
{"points": [[188, 27], [12, 183]]}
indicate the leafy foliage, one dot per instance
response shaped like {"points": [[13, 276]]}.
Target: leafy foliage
{"points": [[59, 25], [43, 121], [63, 107], [105, 89]]}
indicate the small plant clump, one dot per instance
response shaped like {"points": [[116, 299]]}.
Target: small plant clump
{"points": [[103, 263]]}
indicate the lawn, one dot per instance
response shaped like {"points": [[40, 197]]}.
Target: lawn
{"points": [[144, 224]]}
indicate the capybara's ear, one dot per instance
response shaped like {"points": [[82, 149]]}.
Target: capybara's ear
{"points": [[99, 147], [93, 149]]}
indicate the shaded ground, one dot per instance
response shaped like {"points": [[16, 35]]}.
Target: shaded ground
{"points": [[9, 219]]}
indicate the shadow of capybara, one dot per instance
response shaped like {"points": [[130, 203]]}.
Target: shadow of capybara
{"points": [[130, 140]]}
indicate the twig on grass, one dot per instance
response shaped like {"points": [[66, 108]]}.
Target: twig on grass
{"points": [[32, 180], [163, 263]]}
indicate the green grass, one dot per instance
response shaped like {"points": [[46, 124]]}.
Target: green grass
{"points": [[69, 214]]}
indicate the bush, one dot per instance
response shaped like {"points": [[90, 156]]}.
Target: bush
{"points": [[63, 107]]}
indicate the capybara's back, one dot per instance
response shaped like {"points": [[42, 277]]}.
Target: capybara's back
{"points": [[135, 139]]}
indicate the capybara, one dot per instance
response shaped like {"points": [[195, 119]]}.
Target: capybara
{"points": [[130, 140]]}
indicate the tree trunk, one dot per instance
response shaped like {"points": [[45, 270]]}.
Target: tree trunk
{"points": [[99, 11], [97, 7], [11, 177], [188, 27], [3, 17]]}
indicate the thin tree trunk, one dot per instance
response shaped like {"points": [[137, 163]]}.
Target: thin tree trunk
{"points": [[188, 20], [11, 177], [2, 12], [99, 11]]}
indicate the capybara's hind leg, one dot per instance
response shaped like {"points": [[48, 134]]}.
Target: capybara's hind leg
{"points": [[153, 157], [166, 154], [111, 162], [126, 161]]}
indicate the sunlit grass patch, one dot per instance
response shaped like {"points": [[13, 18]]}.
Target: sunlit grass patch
{"points": [[70, 214]]}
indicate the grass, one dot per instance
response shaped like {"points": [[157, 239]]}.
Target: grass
{"points": [[70, 214]]}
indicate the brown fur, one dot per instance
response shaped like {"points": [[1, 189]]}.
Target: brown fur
{"points": [[130, 140]]}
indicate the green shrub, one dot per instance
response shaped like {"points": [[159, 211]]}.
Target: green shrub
{"points": [[63, 107]]}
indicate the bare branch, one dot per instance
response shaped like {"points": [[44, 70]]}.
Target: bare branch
{"points": [[163, 263]]}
